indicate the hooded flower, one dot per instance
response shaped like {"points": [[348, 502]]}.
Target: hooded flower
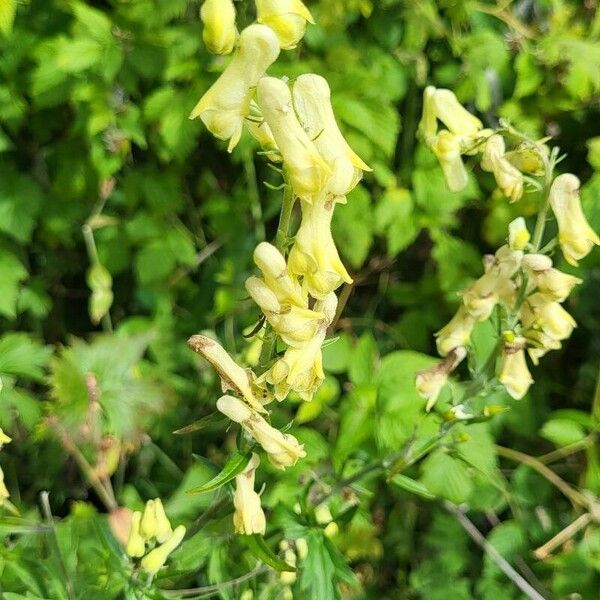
{"points": [[287, 18], [508, 178], [225, 105], [448, 145], [456, 333], [312, 101], [314, 255], [283, 449], [551, 282], [155, 559], [154, 523], [429, 382], [307, 171], [135, 542], [575, 236], [301, 368], [541, 313], [220, 33], [514, 374], [248, 517], [233, 377], [518, 236]]}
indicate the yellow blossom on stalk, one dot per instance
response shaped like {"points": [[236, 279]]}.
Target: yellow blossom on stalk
{"points": [[248, 517], [225, 105], [261, 132], [154, 523], [575, 236], [277, 277], [508, 178], [155, 559], [481, 297], [514, 374], [314, 255], [429, 382], [540, 312], [287, 18], [463, 131], [518, 236], [135, 545], [456, 333], [307, 171], [540, 344], [301, 368], [233, 377], [312, 101], [282, 449], [551, 282], [220, 33], [4, 439], [295, 325]]}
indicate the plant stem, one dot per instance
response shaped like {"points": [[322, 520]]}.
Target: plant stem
{"points": [[255, 206], [540, 224], [502, 563], [281, 238]]}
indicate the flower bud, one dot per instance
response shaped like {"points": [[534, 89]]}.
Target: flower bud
{"points": [[249, 517], [575, 236], [148, 523], [307, 171], [155, 559], [429, 382], [446, 147], [312, 101], [514, 374], [135, 543], [283, 449], [262, 295], [527, 159], [456, 333], [287, 18], [225, 105], [314, 255], [233, 377], [163, 526], [220, 33], [518, 236], [536, 262], [508, 178], [556, 284], [442, 104]]}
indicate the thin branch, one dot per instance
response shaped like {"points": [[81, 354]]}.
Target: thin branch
{"points": [[502, 563], [211, 590], [562, 536]]}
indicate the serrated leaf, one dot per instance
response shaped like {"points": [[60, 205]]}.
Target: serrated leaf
{"points": [[414, 487], [259, 548], [234, 466]]}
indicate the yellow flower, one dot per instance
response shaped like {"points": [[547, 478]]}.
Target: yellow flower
{"points": [[481, 297], [4, 494], [155, 559], [307, 171], [282, 449], [135, 542], [248, 517], [301, 368], [277, 277], [456, 333], [261, 132], [233, 377], [287, 18], [514, 374], [314, 255], [220, 33], [154, 523], [312, 101], [4, 439], [429, 382], [508, 178], [225, 105], [551, 282], [295, 325], [540, 312], [518, 236], [575, 236]]}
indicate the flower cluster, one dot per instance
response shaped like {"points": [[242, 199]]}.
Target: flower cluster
{"points": [[4, 495], [151, 530], [296, 127], [519, 280]]}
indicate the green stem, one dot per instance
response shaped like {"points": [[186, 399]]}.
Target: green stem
{"points": [[281, 239], [540, 224]]}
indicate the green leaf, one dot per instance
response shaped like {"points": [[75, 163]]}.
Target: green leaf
{"points": [[8, 9], [259, 548], [447, 477], [212, 420], [414, 487], [12, 272], [394, 218], [363, 360], [234, 466], [21, 356], [562, 432]]}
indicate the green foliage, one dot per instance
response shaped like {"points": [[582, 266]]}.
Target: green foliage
{"points": [[125, 228]]}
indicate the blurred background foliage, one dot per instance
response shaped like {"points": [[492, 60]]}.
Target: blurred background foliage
{"points": [[125, 228]]}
